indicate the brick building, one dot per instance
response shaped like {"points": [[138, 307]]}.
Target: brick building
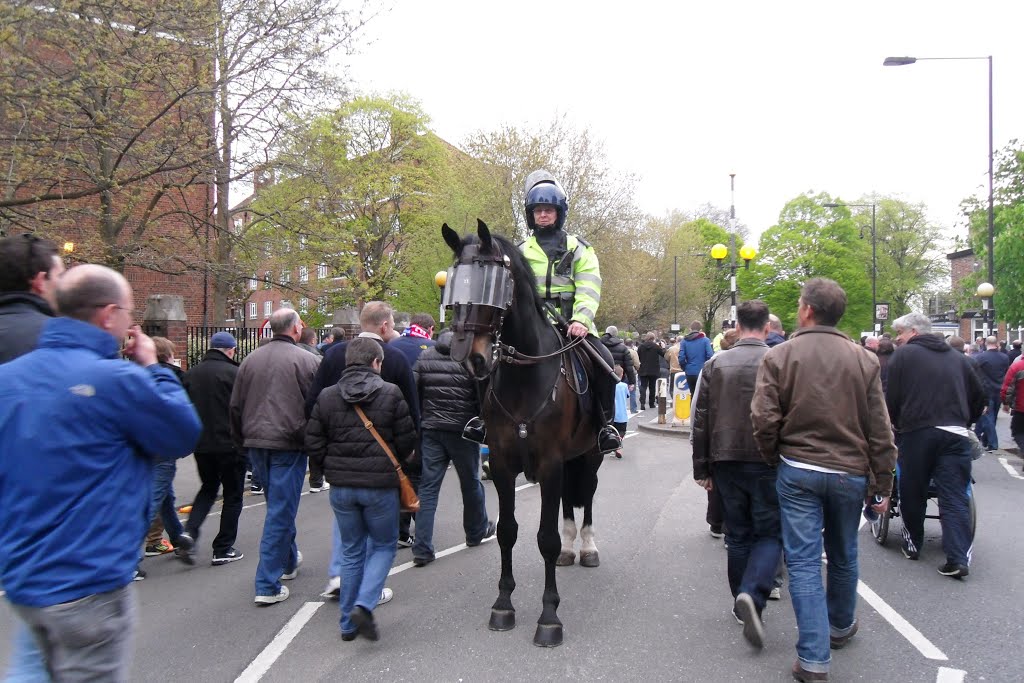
{"points": [[969, 319]]}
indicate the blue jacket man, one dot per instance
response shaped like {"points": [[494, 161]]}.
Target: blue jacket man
{"points": [[81, 429], [694, 351]]}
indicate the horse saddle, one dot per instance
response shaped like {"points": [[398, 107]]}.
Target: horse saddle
{"points": [[579, 372]]}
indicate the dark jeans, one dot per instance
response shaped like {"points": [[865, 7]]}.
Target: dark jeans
{"points": [[647, 385], [217, 470], [405, 518], [316, 474], [933, 454], [691, 383], [1017, 430], [162, 498], [437, 449], [750, 506], [714, 514], [985, 427]]}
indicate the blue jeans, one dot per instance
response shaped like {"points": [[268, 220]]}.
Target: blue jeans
{"points": [[750, 507], [437, 448], [282, 474], [985, 427], [932, 454], [367, 520], [632, 400], [162, 498], [810, 501], [26, 665]]}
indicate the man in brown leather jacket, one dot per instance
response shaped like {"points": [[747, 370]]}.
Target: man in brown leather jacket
{"points": [[819, 413], [726, 457]]}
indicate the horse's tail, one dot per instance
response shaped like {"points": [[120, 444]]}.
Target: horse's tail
{"points": [[579, 481]]}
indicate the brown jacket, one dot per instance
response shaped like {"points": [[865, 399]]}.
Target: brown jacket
{"points": [[819, 401], [672, 356], [268, 401]]}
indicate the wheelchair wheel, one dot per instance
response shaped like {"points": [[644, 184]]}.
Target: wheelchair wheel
{"points": [[880, 528], [972, 509]]}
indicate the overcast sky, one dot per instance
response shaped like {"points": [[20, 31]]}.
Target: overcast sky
{"points": [[789, 96]]}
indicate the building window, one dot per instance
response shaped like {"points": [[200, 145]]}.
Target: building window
{"points": [[286, 277], [303, 274], [321, 304], [253, 282], [266, 280], [303, 305], [252, 310], [321, 271], [302, 241], [268, 308]]}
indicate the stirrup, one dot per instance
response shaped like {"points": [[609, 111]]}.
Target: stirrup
{"points": [[475, 430], [608, 439]]}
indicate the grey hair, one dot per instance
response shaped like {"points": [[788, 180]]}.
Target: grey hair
{"points": [[918, 322], [283, 320]]}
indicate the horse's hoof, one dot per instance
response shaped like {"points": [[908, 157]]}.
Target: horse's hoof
{"points": [[502, 620], [590, 559], [548, 635], [565, 558]]}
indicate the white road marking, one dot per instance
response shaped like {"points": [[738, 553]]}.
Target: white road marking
{"points": [[902, 626], [259, 666], [950, 675], [1009, 468], [629, 434]]}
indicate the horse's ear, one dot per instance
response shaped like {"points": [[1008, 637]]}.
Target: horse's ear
{"points": [[451, 238], [484, 234]]}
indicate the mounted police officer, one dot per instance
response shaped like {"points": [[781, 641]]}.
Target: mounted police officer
{"points": [[569, 278]]}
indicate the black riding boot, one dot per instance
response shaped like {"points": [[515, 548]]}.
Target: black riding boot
{"points": [[475, 430], [608, 439]]}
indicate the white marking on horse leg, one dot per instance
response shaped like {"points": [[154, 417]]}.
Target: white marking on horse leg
{"points": [[568, 534], [587, 537]]}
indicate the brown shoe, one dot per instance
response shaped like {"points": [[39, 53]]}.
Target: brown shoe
{"points": [[837, 642], [804, 676]]}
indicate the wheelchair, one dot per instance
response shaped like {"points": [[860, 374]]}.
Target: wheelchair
{"points": [[880, 527]]}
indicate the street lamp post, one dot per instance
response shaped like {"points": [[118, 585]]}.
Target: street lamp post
{"points": [[746, 252], [904, 61], [874, 260], [986, 290]]}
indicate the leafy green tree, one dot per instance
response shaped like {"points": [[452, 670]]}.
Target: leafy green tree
{"points": [[1009, 236], [810, 241]]}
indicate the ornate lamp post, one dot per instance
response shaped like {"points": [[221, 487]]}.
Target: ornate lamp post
{"points": [[986, 291], [746, 252]]}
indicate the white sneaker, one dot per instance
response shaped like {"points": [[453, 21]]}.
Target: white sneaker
{"points": [[295, 572], [271, 599], [317, 489], [333, 589], [775, 594], [385, 596]]}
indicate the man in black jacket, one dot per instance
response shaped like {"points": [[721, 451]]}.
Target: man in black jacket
{"points": [[209, 385], [992, 365], [620, 354], [933, 396], [726, 457], [29, 269], [650, 369], [449, 399]]}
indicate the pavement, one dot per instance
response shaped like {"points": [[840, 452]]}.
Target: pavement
{"points": [[657, 609]]}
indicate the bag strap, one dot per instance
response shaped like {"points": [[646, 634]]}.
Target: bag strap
{"points": [[376, 435]]}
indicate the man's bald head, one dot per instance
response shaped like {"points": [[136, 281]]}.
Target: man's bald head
{"points": [[774, 324], [87, 288]]}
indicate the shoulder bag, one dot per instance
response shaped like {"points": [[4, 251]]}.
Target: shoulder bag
{"points": [[409, 501]]}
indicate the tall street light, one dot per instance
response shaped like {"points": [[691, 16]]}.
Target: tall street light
{"points": [[874, 260], [904, 61], [746, 252]]}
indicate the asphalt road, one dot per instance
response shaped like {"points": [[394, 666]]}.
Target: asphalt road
{"points": [[657, 609]]}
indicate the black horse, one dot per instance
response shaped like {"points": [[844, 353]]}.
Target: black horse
{"points": [[536, 422]]}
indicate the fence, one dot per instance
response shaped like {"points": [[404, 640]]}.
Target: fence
{"points": [[197, 341]]}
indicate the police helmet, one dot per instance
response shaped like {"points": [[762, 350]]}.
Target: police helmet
{"points": [[546, 193]]}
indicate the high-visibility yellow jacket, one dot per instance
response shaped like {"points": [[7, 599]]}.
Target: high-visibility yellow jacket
{"points": [[583, 282]]}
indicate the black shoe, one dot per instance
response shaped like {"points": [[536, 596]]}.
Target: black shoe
{"points": [[365, 625], [957, 571], [348, 637], [838, 642], [485, 470], [491, 529], [406, 541], [422, 561], [184, 549], [908, 553], [608, 439], [475, 430], [229, 555]]}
